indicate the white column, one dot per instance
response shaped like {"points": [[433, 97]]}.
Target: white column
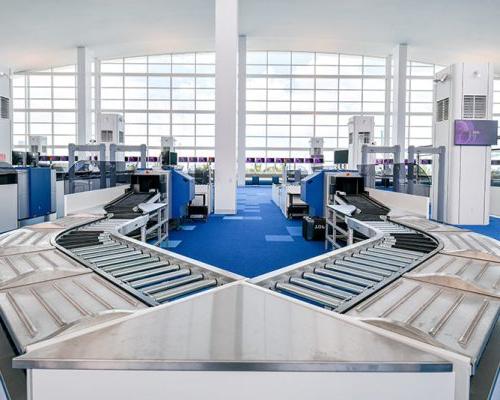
{"points": [[84, 95], [97, 91], [226, 69], [399, 97], [242, 109], [388, 87]]}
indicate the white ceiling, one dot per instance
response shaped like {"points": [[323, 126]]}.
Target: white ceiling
{"points": [[41, 33]]}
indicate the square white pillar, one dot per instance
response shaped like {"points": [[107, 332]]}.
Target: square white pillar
{"points": [[242, 109], [84, 95], [226, 78], [399, 97]]}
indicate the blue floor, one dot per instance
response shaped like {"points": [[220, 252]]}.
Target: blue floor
{"points": [[491, 230], [256, 240]]}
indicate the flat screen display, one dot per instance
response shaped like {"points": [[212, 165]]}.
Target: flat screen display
{"points": [[211, 159], [289, 160], [183, 159], [341, 157], [193, 159], [202, 159], [279, 160], [269, 160], [309, 160], [250, 159], [299, 160], [318, 161], [476, 132], [260, 160]]}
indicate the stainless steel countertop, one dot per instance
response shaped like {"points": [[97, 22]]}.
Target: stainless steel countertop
{"points": [[237, 326]]}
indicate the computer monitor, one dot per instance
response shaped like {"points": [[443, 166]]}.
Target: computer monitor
{"points": [[341, 157]]}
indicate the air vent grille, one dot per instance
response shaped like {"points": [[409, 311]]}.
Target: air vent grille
{"points": [[106, 136], [4, 107], [443, 107], [474, 107]]}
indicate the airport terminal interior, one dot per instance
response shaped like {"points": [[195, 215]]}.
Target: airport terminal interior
{"points": [[249, 199]]}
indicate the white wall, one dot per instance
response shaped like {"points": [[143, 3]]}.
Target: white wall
{"points": [[495, 201], [78, 202], [49, 384]]}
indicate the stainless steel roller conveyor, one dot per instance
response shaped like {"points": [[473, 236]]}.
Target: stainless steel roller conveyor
{"points": [[343, 280], [152, 275]]}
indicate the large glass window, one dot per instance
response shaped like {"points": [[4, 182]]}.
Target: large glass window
{"points": [[162, 95], [45, 104], [419, 103], [293, 96]]}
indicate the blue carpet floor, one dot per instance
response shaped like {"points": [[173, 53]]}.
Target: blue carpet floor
{"points": [[256, 240], [491, 230]]}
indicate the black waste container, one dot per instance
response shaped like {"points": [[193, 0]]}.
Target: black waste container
{"points": [[313, 228]]}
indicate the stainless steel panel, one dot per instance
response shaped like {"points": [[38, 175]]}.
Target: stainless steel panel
{"points": [[28, 268], [426, 225], [26, 240], [470, 244], [72, 221], [238, 327], [461, 273], [456, 320], [38, 311]]}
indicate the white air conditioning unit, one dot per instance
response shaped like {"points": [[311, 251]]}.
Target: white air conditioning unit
{"points": [[110, 129], [38, 144], [361, 130], [463, 92], [5, 117]]}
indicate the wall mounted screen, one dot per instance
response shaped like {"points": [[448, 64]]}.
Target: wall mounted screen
{"points": [[476, 132]]}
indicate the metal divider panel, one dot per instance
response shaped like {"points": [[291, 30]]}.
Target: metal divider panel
{"points": [[71, 221], [39, 311], [426, 225], [26, 240], [29, 268], [461, 273], [470, 244], [452, 319]]}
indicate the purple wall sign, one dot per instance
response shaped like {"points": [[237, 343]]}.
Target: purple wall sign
{"points": [[475, 132]]}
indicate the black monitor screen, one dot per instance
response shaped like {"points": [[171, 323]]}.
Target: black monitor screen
{"points": [[341, 157]]}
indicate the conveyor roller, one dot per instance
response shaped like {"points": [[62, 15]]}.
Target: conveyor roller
{"points": [[146, 274], [349, 278], [184, 290], [307, 294]]}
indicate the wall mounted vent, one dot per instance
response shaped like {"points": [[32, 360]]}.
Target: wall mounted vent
{"points": [[4, 107], [443, 107], [474, 107]]}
